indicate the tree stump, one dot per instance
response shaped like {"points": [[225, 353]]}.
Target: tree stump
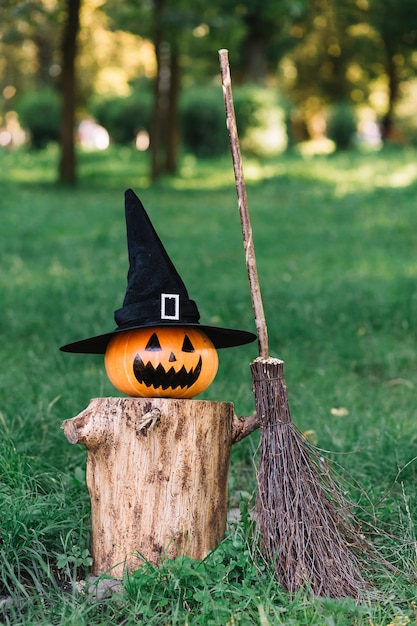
{"points": [[157, 473]]}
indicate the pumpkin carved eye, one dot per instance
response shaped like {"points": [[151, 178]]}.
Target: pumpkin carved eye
{"points": [[153, 344], [161, 362], [187, 346]]}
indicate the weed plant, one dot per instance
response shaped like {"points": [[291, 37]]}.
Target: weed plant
{"points": [[336, 249]]}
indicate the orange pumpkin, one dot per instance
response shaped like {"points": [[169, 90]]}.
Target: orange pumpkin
{"points": [[169, 362]]}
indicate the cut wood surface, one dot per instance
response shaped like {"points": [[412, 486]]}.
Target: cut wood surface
{"points": [[157, 474]]}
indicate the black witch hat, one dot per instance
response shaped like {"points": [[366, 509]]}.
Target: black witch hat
{"points": [[155, 295]]}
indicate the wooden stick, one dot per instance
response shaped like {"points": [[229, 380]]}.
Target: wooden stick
{"points": [[244, 426], [243, 206]]}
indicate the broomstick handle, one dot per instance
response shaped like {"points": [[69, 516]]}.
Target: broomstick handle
{"points": [[243, 206]]}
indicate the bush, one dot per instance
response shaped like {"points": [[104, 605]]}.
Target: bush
{"points": [[124, 117], [203, 122], [263, 121], [342, 125], [260, 121], [39, 114], [405, 130]]}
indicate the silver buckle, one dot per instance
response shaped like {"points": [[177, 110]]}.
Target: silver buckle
{"points": [[170, 306]]}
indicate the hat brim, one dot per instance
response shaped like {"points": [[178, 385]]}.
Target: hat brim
{"points": [[221, 337]]}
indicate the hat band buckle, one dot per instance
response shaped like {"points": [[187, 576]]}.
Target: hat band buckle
{"points": [[170, 306]]}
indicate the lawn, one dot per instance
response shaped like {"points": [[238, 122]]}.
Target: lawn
{"points": [[335, 238]]}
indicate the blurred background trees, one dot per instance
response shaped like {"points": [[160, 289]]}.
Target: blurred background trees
{"points": [[147, 73]]}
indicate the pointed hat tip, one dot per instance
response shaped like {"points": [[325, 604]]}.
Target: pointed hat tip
{"points": [[131, 197]]}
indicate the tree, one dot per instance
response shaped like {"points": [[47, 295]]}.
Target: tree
{"points": [[28, 42], [164, 126], [39, 22], [345, 45], [148, 20], [325, 53], [187, 35], [268, 34], [67, 165], [395, 21]]}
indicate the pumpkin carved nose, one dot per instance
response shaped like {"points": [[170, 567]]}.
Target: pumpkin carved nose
{"points": [[172, 357]]}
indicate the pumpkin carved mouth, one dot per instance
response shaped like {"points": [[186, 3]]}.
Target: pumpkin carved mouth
{"points": [[159, 377]]}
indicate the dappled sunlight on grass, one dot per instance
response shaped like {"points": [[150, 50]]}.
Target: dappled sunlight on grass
{"points": [[104, 169], [207, 175], [345, 172], [22, 167], [404, 176], [316, 146], [351, 172], [109, 167]]}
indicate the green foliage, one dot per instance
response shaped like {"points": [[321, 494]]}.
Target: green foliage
{"points": [[232, 585], [36, 509], [262, 118], [342, 125], [124, 117], [74, 558], [202, 122], [186, 590], [39, 113], [405, 127], [396, 22], [259, 118]]}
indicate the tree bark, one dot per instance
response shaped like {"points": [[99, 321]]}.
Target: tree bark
{"points": [[256, 65], [157, 473], [160, 88], [164, 135], [393, 85], [67, 166], [173, 135]]}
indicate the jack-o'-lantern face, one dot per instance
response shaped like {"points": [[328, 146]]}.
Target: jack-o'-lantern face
{"points": [[169, 362]]}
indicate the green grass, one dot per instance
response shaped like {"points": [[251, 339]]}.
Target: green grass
{"points": [[336, 246]]}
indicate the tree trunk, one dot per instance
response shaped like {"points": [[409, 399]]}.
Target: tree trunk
{"points": [[256, 63], [393, 84], [164, 135], [157, 474], [172, 135], [67, 166], [159, 96]]}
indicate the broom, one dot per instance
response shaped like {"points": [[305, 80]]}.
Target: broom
{"points": [[304, 525]]}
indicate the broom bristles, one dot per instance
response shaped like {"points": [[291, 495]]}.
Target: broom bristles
{"points": [[305, 528]]}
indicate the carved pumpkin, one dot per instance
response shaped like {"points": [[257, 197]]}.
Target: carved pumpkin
{"points": [[169, 362]]}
